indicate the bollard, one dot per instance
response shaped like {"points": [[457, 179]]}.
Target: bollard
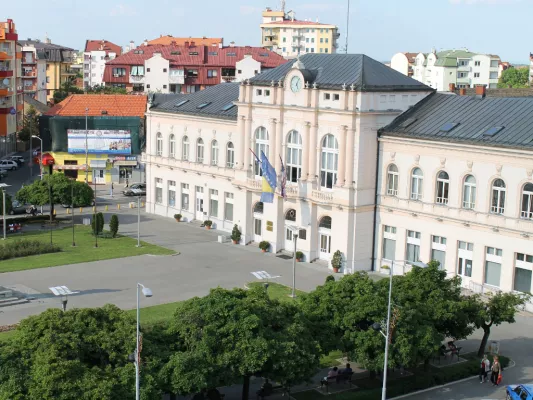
{"points": [[68, 211], [81, 210], [142, 204], [94, 209], [106, 208], [131, 205], [55, 211], [118, 206]]}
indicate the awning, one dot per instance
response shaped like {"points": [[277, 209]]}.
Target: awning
{"points": [[126, 163], [69, 167], [98, 163]]}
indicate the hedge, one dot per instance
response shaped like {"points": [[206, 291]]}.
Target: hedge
{"points": [[24, 248]]}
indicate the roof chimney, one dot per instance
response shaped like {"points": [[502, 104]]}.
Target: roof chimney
{"points": [[462, 92], [231, 44], [145, 43], [481, 92], [187, 44], [220, 45], [193, 44], [452, 87]]}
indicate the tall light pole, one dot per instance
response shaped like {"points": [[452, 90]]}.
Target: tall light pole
{"points": [[86, 147], [96, 221], [147, 293], [138, 221], [41, 166], [4, 186], [72, 206], [295, 239]]}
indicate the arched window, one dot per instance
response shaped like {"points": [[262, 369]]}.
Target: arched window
{"points": [[200, 150], [498, 197], [392, 180], [214, 152], [159, 144], [329, 162], [527, 201], [325, 223], [172, 146], [261, 145], [443, 187], [258, 207], [230, 155], [290, 215], [469, 192], [294, 156], [185, 148], [417, 179]]}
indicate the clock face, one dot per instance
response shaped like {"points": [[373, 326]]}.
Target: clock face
{"points": [[296, 84]]}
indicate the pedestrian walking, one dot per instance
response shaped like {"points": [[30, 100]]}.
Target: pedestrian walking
{"points": [[496, 371], [484, 369], [487, 368], [112, 187], [127, 182]]}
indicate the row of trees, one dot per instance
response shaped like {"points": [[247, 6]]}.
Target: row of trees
{"points": [[69, 88], [231, 335]]}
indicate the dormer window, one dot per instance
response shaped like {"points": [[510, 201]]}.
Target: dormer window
{"points": [[336, 97], [259, 92], [327, 96]]}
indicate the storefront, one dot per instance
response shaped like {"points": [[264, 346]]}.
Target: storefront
{"points": [[126, 169]]}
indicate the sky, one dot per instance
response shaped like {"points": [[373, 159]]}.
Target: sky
{"points": [[378, 28]]}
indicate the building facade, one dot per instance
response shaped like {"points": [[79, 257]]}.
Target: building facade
{"points": [[58, 61], [167, 40], [186, 69], [460, 67], [11, 96], [289, 37], [96, 137], [404, 63], [456, 185], [95, 56], [34, 73], [531, 69], [314, 114]]}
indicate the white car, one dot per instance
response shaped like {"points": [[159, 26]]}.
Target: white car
{"points": [[9, 164]]}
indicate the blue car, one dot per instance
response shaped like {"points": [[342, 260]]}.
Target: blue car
{"points": [[520, 392]]}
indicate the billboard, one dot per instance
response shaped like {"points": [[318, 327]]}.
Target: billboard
{"points": [[99, 141]]}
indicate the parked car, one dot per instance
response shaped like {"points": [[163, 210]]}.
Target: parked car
{"points": [[18, 208], [18, 159], [8, 164], [519, 392], [137, 189]]}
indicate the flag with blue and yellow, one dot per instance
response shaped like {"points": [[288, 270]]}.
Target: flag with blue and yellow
{"points": [[269, 178]]}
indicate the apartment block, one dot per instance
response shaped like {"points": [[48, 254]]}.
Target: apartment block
{"points": [[97, 53]]}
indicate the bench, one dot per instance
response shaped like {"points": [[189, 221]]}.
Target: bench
{"points": [[444, 353], [341, 378]]}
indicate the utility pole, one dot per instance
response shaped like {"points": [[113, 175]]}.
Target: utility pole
{"points": [[72, 206], [86, 148], [138, 221]]}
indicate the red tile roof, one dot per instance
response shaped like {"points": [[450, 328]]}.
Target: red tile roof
{"points": [[180, 41], [116, 105], [102, 45], [182, 56]]}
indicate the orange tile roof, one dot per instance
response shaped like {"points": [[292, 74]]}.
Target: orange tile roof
{"points": [[180, 41], [116, 105], [102, 45]]}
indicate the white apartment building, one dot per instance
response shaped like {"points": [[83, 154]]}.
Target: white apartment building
{"points": [[461, 67], [456, 185], [34, 78], [97, 53], [320, 113], [531, 69]]}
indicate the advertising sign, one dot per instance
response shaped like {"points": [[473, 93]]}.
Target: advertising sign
{"points": [[99, 141]]}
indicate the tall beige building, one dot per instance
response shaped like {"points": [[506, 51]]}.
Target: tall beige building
{"points": [[283, 33]]}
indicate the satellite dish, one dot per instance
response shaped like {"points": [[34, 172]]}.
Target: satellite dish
{"points": [[5, 81]]}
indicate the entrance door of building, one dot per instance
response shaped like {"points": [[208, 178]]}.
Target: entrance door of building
{"points": [[200, 203], [258, 230], [99, 176], [325, 246], [289, 238]]}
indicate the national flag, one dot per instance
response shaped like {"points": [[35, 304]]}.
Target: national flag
{"points": [[269, 180], [283, 179]]}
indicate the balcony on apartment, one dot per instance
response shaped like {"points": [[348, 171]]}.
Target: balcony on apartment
{"points": [[176, 76], [68, 72], [28, 59], [29, 73], [5, 69], [228, 74], [7, 102], [30, 88], [6, 53], [5, 90]]}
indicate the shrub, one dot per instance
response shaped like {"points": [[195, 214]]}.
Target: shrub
{"points": [[178, 216], [97, 223], [236, 234], [113, 225], [336, 260], [330, 278], [24, 248], [299, 255], [264, 245], [208, 223]]}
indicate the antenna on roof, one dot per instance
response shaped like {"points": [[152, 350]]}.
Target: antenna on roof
{"points": [[347, 26], [282, 5]]}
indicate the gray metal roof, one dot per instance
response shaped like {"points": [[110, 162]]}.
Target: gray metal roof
{"points": [[475, 116], [217, 97], [43, 45], [40, 107], [332, 71]]}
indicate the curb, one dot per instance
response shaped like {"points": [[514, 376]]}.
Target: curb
{"points": [[403, 396]]}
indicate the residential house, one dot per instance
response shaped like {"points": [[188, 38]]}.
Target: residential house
{"points": [[97, 53], [404, 63], [180, 41]]}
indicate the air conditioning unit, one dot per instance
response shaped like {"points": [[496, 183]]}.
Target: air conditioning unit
{"points": [[116, 75]]}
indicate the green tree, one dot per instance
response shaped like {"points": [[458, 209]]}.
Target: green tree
{"points": [[515, 78], [97, 223], [67, 88], [230, 335], [77, 354], [8, 203], [497, 309], [113, 225], [30, 125], [100, 89]]}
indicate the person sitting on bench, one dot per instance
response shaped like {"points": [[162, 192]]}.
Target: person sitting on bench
{"points": [[266, 390], [347, 371], [331, 374]]}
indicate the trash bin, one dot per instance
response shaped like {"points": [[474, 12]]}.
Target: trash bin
{"points": [[86, 221]]}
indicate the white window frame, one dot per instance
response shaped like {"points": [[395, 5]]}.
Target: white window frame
{"points": [[526, 263], [228, 199], [417, 182], [413, 239], [185, 148], [443, 188], [200, 150], [159, 144], [171, 189], [526, 203], [158, 190], [493, 255], [172, 146], [465, 251], [230, 155], [261, 145], [213, 197], [185, 194], [293, 159], [498, 194], [469, 192], [392, 180], [329, 161], [214, 153]]}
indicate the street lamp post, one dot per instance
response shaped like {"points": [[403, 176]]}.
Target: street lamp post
{"points": [[86, 148], [51, 216], [95, 222], [41, 166], [147, 293], [3, 186], [138, 221], [295, 239], [72, 206]]}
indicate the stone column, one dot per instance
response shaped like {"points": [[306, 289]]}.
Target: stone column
{"points": [[350, 157], [341, 177], [305, 151], [279, 146], [313, 150], [238, 145], [272, 140], [247, 144]]}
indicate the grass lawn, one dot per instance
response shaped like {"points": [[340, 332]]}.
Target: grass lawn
{"points": [[5, 336], [277, 291], [84, 251]]}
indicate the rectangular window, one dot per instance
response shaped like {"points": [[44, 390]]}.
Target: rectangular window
{"points": [[267, 92], [327, 96], [476, 74], [522, 280], [336, 97], [184, 196], [228, 207], [392, 98], [259, 92], [413, 252], [492, 273], [389, 249], [477, 63], [158, 190], [326, 50], [172, 193], [383, 98], [464, 267], [440, 256], [212, 73], [213, 203], [390, 229]]}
